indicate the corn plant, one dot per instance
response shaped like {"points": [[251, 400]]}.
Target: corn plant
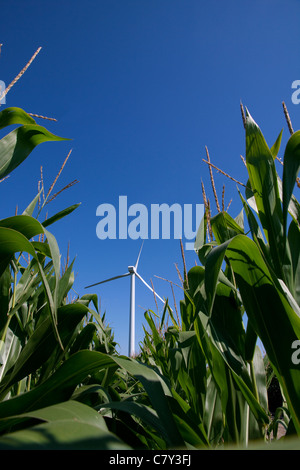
{"points": [[211, 388], [247, 288], [44, 338], [62, 385], [39, 328], [261, 272], [199, 383]]}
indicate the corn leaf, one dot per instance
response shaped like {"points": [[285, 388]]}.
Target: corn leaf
{"points": [[13, 115], [263, 181], [66, 426], [267, 308], [18, 144], [291, 166]]}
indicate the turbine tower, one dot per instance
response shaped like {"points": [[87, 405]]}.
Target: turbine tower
{"points": [[132, 271]]}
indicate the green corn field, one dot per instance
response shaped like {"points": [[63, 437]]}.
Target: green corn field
{"points": [[205, 378]]}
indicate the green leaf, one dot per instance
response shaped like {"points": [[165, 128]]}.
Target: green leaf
{"points": [[201, 234], [158, 392], [294, 244], [263, 180], [30, 209], [213, 415], [61, 384], [5, 293], [10, 116], [12, 241], [24, 224], [9, 352], [227, 333], [190, 424], [291, 166], [65, 426], [18, 144], [224, 227], [255, 230], [268, 310], [42, 344], [27, 227], [60, 215], [276, 146], [143, 412]]}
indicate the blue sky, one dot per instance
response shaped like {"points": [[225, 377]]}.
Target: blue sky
{"points": [[141, 87]]}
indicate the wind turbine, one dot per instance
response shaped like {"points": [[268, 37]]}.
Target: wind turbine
{"points": [[132, 271]]}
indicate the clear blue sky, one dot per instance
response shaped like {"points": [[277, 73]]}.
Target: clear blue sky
{"points": [[141, 87]]}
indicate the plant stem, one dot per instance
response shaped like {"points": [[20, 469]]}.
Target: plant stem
{"points": [[252, 372]]}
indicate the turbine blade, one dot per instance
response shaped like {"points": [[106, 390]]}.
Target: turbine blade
{"points": [[138, 258], [107, 280], [163, 301]]}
